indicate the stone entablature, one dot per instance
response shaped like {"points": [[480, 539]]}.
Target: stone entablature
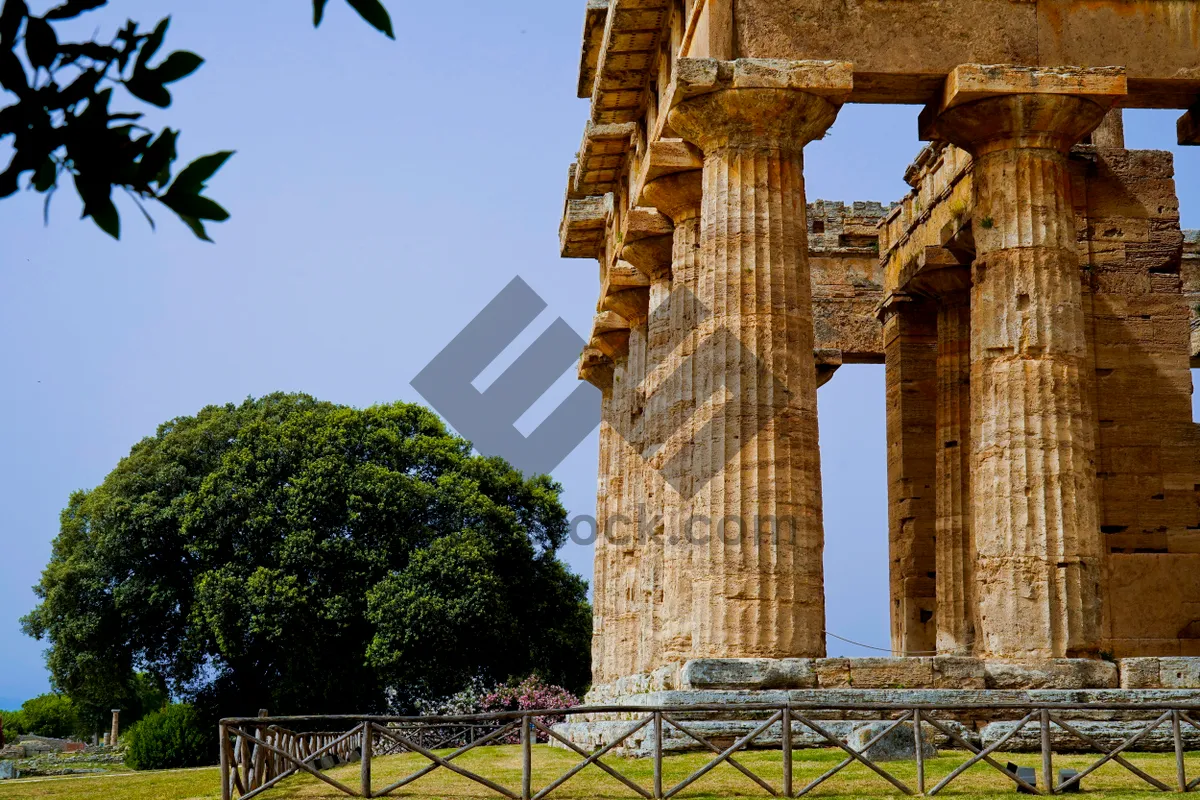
{"points": [[901, 52]]}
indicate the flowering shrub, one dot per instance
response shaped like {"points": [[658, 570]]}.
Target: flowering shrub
{"points": [[464, 703], [531, 694]]}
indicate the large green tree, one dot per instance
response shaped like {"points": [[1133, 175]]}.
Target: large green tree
{"points": [[302, 556], [61, 124]]}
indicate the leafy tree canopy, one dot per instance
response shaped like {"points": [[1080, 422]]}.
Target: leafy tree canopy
{"points": [[51, 715], [302, 556], [61, 123]]}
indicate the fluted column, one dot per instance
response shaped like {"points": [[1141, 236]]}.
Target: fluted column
{"points": [[637, 629], [619, 530], [758, 578], [1032, 430], [602, 595], [955, 547], [910, 354], [673, 404]]}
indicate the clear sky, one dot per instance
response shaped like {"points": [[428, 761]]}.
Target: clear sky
{"points": [[382, 193]]}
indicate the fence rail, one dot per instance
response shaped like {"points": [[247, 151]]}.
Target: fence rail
{"points": [[259, 752]]}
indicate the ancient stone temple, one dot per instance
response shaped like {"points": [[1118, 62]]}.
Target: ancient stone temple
{"points": [[1033, 298]]}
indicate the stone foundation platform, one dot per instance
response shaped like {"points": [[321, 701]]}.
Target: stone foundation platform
{"points": [[940, 672], [905, 681]]}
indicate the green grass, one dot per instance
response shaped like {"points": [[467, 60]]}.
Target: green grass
{"points": [[503, 765]]}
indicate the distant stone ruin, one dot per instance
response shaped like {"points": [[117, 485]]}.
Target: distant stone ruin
{"points": [[1033, 298]]}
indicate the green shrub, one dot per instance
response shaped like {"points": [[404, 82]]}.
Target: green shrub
{"points": [[173, 737], [14, 725], [53, 715]]}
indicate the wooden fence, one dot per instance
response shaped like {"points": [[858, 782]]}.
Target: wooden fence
{"points": [[259, 752]]}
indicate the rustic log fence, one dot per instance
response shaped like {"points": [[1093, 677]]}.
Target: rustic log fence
{"points": [[259, 752]]}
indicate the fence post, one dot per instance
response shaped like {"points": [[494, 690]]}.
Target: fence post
{"points": [[658, 755], [365, 759], [226, 789], [787, 750], [919, 740], [526, 758], [258, 755], [1047, 753], [1180, 769]]}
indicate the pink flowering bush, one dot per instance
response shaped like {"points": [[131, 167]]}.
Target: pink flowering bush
{"points": [[531, 694]]}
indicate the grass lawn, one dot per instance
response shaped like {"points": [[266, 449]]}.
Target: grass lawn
{"points": [[503, 765]]}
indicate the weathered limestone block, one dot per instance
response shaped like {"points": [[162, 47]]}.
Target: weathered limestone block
{"points": [[891, 673], [749, 673], [756, 593], [898, 745], [1139, 673], [599, 733], [1160, 673], [1032, 434], [832, 673], [1107, 734], [1059, 673], [957, 672]]}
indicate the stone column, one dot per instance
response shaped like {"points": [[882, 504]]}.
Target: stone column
{"points": [[649, 250], [955, 548], [673, 404], [116, 712], [757, 576], [597, 368], [910, 353], [1032, 429]]}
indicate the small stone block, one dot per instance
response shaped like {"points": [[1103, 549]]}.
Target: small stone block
{"points": [[1139, 673], [696, 76], [642, 222], [832, 79], [958, 672], [668, 156], [969, 82], [891, 673], [1178, 673], [832, 673], [1052, 673], [749, 673], [899, 745]]}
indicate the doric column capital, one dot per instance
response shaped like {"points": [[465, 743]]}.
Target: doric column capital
{"points": [[651, 255], [985, 108], [757, 103], [632, 304], [610, 336], [895, 303], [678, 196], [765, 119], [596, 368]]}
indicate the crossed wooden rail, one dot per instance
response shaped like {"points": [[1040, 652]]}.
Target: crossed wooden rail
{"points": [[258, 752]]}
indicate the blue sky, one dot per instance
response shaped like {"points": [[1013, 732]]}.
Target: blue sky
{"points": [[382, 193]]}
